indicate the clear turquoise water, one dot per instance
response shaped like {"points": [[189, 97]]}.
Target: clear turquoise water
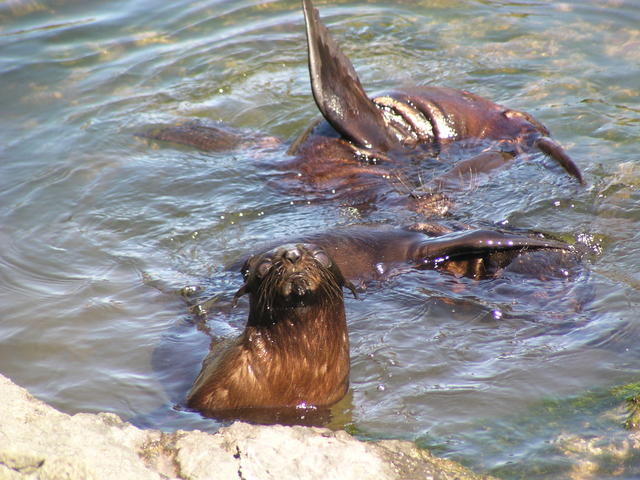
{"points": [[88, 210]]}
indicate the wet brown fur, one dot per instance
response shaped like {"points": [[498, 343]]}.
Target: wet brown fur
{"points": [[294, 350], [364, 254]]}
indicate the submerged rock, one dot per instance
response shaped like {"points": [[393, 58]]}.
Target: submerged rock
{"points": [[37, 441]]}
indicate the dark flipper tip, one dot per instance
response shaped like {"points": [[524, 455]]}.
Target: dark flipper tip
{"points": [[556, 152], [480, 242]]}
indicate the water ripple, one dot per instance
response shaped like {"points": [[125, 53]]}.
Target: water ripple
{"points": [[88, 207]]}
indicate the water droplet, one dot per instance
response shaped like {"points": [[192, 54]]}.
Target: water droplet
{"points": [[190, 290]]}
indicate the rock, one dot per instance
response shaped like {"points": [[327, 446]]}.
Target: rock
{"points": [[39, 442]]}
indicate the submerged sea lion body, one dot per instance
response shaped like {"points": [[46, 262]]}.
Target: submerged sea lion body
{"points": [[294, 351]]}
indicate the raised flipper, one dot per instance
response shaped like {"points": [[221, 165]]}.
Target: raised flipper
{"points": [[554, 150], [338, 92]]}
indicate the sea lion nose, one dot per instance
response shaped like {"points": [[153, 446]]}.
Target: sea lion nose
{"points": [[293, 254]]}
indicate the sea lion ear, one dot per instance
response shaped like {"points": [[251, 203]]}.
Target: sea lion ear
{"points": [[241, 291], [338, 92], [246, 267]]}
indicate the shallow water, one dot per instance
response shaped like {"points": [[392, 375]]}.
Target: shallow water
{"points": [[89, 212]]}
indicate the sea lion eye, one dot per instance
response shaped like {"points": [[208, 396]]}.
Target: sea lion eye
{"points": [[264, 267], [322, 258]]}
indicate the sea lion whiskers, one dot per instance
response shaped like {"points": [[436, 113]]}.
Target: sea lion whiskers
{"points": [[401, 185], [314, 281], [333, 289], [424, 199]]}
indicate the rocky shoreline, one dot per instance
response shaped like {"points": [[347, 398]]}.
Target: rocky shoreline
{"points": [[39, 442]]}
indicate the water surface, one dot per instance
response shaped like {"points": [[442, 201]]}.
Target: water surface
{"points": [[89, 212]]}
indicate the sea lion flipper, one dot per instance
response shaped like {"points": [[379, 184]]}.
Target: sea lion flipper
{"points": [[352, 289], [210, 138], [241, 291], [480, 242], [555, 151], [338, 91]]}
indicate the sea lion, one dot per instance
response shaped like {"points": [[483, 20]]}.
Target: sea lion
{"points": [[377, 135], [293, 354], [294, 351], [363, 147], [372, 253], [403, 120]]}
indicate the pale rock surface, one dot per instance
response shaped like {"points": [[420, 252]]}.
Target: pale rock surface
{"points": [[39, 442]]}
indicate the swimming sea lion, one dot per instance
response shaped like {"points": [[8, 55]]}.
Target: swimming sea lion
{"points": [[421, 116], [294, 351], [363, 147], [376, 135], [365, 254]]}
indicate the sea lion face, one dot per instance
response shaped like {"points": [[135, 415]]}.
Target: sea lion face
{"points": [[292, 275], [292, 271]]}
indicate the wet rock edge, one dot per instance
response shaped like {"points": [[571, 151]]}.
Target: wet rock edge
{"points": [[38, 441]]}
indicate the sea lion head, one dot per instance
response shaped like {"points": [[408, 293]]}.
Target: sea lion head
{"points": [[292, 275]]}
